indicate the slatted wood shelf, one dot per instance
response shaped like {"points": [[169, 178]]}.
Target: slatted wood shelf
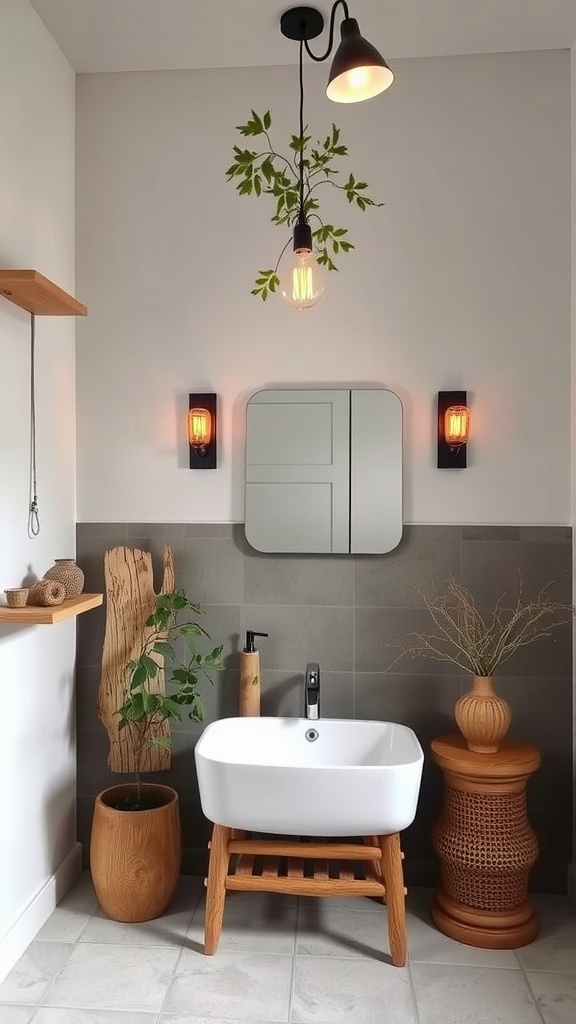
{"points": [[33, 615], [308, 867], [37, 294]]}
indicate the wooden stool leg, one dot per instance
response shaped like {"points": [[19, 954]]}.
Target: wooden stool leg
{"points": [[216, 887], [394, 882]]}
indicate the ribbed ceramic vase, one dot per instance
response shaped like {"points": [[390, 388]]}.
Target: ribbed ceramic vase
{"points": [[483, 717], [66, 571]]}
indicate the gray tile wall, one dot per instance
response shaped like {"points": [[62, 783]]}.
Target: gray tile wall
{"points": [[343, 611]]}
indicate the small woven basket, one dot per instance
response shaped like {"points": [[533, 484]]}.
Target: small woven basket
{"points": [[17, 597]]}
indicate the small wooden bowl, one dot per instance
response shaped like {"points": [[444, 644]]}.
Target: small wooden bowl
{"points": [[17, 597]]}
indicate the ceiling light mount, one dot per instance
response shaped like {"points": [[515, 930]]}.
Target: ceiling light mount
{"points": [[301, 23]]}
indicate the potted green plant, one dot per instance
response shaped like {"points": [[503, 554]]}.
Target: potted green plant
{"points": [[135, 847], [480, 643]]}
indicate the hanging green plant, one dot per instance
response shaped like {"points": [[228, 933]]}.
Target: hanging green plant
{"points": [[271, 173]]}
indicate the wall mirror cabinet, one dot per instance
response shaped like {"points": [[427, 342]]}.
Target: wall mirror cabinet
{"points": [[324, 471]]}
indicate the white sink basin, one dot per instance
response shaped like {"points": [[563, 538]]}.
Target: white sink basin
{"points": [[355, 779]]}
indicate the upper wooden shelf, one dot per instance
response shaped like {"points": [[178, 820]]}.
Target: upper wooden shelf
{"points": [[33, 615], [34, 292]]}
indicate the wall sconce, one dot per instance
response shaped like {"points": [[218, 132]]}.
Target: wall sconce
{"points": [[453, 429], [201, 425]]}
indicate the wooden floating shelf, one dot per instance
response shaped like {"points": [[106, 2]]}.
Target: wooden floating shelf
{"points": [[32, 291], [34, 615]]}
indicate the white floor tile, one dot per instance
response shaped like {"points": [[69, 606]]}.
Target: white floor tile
{"points": [[81, 896], [36, 968], [16, 1014], [114, 977], [85, 969], [171, 1018], [555, 996], [426, 944], [325, 930], [351, 992], [64, 925], [238, 986], [168, 930], [189, 891], [267, 926], [448, 994], [553, 950], [57, 1015]]}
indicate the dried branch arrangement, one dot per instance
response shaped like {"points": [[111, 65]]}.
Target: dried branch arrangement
{"points": [[481, 643]]}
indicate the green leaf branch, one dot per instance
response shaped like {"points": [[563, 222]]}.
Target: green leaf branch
{"points": [[268, 172], [171, 644]]}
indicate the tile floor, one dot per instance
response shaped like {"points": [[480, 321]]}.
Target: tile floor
{"points": [[280, 960]]}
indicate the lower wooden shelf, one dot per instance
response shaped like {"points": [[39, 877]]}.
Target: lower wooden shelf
{"points": [[33, 615]]}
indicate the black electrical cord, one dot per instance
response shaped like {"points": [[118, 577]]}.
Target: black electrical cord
{"points": [[331, 34], [33, 516], [301, 71]]}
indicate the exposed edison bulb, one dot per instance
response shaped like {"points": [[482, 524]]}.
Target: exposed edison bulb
{"points": [[199, 423], [457, 425], [301, 280]]}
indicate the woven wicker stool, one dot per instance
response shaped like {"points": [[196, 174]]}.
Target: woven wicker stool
{"points": [[485, 844], [314, 867]]}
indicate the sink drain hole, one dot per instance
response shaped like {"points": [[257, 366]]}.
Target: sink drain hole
{"points": [[311, 735]]}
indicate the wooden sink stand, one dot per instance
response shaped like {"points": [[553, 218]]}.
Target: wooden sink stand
{"points": [[306, 868]]}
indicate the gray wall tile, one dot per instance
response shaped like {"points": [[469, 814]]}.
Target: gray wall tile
{"points": [[490, 570], [346, 613], [424, 703], [209, 568], [283, 694], [546, 534], [302, 633], [286, 579], [490, 533], [426, 556], [382, 633]]}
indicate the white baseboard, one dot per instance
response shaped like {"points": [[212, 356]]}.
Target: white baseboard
{"points": [[572, 882], [36, 913]]}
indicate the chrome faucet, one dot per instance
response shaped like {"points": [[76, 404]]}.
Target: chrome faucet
{"points": [[312, 690]]}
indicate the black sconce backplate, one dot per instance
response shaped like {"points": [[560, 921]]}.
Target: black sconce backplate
{"points": [[208, 459], [450, 457]]}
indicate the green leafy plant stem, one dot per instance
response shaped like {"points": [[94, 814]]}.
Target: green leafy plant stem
{"points": [[293, 185], [144, 708]]}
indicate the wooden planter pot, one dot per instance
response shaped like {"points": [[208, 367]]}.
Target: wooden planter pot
{"points": [[135, 856]]}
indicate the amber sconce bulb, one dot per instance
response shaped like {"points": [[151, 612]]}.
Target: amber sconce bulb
{"points": [[201, 430], [457, 425]]}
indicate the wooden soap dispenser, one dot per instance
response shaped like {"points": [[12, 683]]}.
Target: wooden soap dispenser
{"points": [[250, 676]]}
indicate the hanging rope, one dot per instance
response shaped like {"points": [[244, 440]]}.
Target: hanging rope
{"points": [[33, 516]]}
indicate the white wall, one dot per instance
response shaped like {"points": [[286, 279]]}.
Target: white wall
{"points": [[462, 280], [37, 748]]}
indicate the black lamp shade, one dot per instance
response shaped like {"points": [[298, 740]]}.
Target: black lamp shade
{"points": [[358, 71]]}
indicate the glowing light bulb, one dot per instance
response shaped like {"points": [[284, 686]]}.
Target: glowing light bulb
{"points": [[302, 280], [457, 425], [199, 429]]}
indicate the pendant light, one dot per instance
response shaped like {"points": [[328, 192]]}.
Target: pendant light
{"points": [[358, 72]]}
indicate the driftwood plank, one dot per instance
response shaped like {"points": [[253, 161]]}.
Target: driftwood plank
{"points": [[130, 598]]}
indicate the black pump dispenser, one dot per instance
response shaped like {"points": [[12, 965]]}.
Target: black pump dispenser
{"points": [[249, 648]]}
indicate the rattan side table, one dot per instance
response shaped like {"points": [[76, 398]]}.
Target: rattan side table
{"points": [[485, 844]]}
